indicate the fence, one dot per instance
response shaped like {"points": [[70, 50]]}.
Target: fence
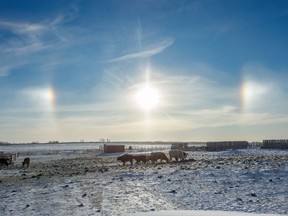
{"points": [[10, 157], [226, 145], [275, 144]]}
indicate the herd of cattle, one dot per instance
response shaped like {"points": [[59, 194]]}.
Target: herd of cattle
{"points": [[153, 157], [139, 158]]}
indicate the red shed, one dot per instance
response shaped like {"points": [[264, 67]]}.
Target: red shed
{"points": [[113, 148]]}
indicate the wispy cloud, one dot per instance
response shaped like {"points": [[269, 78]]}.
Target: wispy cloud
{"points": [[24, 36], [22, 28], [8, 65], [151, 51], [30, 37], [4, 71], [22, 40]]}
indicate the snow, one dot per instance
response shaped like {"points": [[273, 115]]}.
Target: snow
{"points": [[240, 182], [197, 213]]}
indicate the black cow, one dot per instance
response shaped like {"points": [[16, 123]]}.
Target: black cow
{"points": [[4, 161], [26, 162]]}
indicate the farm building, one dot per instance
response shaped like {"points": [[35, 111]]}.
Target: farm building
{"points": [[113, 148], [225, 145], [182, 146], [275, 144], [196, 148]]}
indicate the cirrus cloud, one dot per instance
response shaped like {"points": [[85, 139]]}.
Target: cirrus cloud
{"points": [[151, 51]]}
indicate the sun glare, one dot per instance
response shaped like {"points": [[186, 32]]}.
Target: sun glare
{"points": [[148, 98]]}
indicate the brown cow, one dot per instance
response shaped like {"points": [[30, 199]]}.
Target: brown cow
{"points": [[155, 156], [26, 162], [125, 158], [140, 157]]}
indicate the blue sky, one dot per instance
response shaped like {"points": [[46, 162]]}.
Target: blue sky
{"points": [[72, 70]]}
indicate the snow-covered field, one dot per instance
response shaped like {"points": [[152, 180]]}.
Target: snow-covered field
{"points": [[250, 181]]}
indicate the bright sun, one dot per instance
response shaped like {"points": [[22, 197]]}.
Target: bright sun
{"points": [[148, 98]]}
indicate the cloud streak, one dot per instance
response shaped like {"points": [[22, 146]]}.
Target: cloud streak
{"points": [[20, 41], [25, 36], [23, 28], [30, 37], [153, 50], [4, 71]]}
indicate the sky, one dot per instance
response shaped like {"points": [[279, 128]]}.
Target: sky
{"points": [[143, 70]]}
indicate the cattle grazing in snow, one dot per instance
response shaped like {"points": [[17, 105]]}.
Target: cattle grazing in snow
{"points": [[155, 156], [177, 154], [125, 158], [140, 158], [4, 161], [26, 162]]}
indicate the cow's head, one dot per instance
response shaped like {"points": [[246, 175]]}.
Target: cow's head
{"points": [[185, 154]]}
